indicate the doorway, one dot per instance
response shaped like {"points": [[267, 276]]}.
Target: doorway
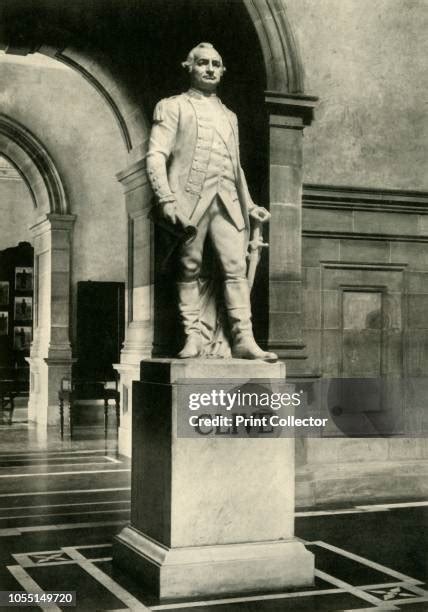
{"points": [[16, 294]]}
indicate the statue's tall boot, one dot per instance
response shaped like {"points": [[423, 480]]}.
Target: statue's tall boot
{"points": [[189, 308], [237, 300]]}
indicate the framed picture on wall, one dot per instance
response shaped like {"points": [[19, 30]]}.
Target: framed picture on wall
{"points": [[4, 293], [21, 338], [4, 321], [23, 309], [23, 279]]}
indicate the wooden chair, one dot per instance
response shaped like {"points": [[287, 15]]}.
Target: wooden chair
{"points": [[77, 390]]}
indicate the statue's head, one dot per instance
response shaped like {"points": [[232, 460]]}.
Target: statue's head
{"points": [[205, 67]]}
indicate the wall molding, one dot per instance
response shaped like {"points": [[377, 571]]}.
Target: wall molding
{"points": [[361, 265], [362, 236], [365, 198]]}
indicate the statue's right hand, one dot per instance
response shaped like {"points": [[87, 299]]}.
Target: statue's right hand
{"points": [[169, 212]]}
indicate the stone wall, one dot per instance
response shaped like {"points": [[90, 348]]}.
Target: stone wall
{"points": [[365, 297], [364, 247], [366, 60]]}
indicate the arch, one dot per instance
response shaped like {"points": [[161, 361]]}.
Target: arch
{"points": [[50, 356], [104, 93], [98, 70], [284, 68], [35, 166]]}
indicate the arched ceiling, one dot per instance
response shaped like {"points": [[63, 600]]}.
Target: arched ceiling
{"points": [[107, 42]]}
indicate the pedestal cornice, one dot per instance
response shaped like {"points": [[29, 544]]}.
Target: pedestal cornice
{"points": [[170, 371]]}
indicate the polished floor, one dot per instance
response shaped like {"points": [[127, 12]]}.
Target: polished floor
{"points": [[62, 502]]}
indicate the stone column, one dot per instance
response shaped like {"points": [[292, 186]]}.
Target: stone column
{"points": [[288, 115], [139, 291], [50, 357]]}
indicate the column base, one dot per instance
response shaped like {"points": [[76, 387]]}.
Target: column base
{"points": [[128, 372], [46, 374], [182, 573]]}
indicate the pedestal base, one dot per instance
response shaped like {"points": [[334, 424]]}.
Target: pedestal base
{"points": [[213, 570], [209, 514]]}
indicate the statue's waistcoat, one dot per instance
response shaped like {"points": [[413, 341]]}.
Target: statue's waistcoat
{"points": [[214, 169]]}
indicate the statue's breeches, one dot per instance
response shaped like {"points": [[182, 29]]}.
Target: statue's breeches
{"points": [[228, 242]]}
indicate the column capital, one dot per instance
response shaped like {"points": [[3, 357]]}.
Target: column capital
{"points": [[133, 175], [17, 46], [297, 106], [52, 221], [136, 186]]}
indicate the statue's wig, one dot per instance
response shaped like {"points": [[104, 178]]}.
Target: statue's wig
{"points": [[188, 64]]}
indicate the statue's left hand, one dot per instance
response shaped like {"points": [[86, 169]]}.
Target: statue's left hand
{"points": [[259, 213]]}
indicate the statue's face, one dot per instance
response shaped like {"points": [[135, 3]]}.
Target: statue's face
{"points": [[206, 70]]}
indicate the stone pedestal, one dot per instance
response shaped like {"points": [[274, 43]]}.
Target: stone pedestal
{"points": [[209, 515]]}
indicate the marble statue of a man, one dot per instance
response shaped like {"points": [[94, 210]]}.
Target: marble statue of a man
{"points": [[194, 169]]}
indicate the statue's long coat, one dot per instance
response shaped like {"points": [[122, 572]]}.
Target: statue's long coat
{"points": [[178, 157]]}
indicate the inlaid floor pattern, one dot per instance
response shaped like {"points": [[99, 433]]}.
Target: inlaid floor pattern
{"points": [[61, 507]]}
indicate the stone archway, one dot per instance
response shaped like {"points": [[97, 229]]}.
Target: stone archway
{"points": [[284, 69], [50, 356], [35, 166]]}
